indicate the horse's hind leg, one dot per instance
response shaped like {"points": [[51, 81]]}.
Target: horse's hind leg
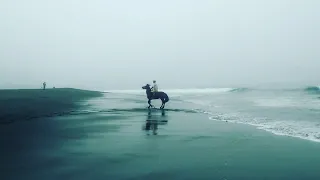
{"points": [[162, 105]]}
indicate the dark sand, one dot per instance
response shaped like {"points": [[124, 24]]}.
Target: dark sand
{"points": [[114, 145], [27, 104]]}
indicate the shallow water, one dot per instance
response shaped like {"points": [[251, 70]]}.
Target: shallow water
{"points": [[291, 112]]}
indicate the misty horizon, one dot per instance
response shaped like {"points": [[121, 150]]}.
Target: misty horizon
{"points": [[182, 44]]}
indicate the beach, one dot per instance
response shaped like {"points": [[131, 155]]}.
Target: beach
{"points": [[238, 80], [115, 136], [27, 104]]}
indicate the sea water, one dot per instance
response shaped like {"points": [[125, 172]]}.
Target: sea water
{"points": [[289, 111]]}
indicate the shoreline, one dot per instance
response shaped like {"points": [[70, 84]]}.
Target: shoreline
{"points": [[272, 132], [265, 129]]}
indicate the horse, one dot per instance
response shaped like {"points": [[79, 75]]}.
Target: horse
{"points": [[158, 95]]}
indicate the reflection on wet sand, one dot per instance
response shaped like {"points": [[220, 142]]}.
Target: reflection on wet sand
{"points": [[153, 120]]}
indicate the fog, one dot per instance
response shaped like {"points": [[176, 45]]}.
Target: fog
{"points": [[102, 44]]}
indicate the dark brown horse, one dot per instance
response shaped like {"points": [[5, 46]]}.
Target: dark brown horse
{"points": [[157, 95]]}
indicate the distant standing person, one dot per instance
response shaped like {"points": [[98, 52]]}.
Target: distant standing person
{"points": [[44, 85], [154, 87]]}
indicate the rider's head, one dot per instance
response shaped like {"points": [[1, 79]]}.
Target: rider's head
{"points": [[154, 81]]}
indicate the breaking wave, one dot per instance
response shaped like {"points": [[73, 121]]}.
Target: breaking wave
{"points": [[184, 91], [312, 89], [303, 130], [240, 89]]}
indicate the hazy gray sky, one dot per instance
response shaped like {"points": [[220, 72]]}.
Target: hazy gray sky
{"points": [[104, 44]]}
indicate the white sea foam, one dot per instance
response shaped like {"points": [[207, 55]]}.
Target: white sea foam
{"points": [[299, 129], [199, 91], [126, 91]]}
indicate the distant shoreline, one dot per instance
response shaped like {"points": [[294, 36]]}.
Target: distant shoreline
{"points": [[27, 104]]}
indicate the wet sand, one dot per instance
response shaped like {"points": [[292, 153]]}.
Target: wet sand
{"points": [[185, 145]]}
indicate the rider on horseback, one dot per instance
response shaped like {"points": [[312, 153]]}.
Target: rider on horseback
{"points": [[154, 88], [159, 95]]}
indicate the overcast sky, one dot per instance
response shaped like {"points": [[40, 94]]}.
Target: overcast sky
{"points": [[123, 44]]}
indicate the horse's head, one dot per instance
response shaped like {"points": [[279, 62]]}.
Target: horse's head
{"points": [[147, 87]]}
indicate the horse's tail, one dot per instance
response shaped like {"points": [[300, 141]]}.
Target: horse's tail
{"points": [[166, 97]]}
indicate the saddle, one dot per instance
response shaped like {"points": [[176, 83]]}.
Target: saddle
{"points": [[154, 95]]}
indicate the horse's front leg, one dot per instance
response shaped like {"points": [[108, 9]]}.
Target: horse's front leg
{"points": [[149, 102]]}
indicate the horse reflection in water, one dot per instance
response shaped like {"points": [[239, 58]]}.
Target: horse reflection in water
{"points": [[153, 120]]}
